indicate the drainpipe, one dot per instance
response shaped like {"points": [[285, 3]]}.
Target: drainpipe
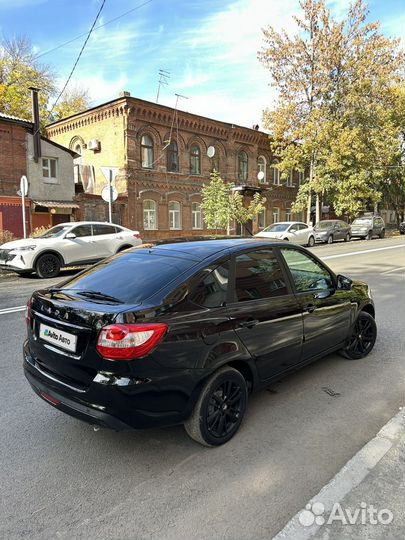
{"points": [[35, 120]]}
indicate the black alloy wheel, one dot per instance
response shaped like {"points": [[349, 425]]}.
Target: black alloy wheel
{"points": [[311, 241], [347, 237], [362, 339], [220, 408], [47, 266], [330, 239]]}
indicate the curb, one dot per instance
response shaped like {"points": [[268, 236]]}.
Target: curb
{"points": [[349, 477]]}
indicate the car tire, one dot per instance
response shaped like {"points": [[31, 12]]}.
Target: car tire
{"points": [[369, 235], [311, 241], [347, 238], [212, 421], [382, 234], [47, 266], [362, 338], [330, 239]]}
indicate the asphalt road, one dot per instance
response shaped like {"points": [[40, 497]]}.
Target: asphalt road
{"points": [[61, 479]]}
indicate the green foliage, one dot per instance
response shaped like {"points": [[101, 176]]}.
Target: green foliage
{"points": [[73, 101]]}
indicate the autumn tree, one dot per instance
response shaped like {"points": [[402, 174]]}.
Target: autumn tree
{"points": [[334, 81], [73, 101]]}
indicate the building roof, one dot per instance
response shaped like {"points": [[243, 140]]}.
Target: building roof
{"points": [[53, 143], [14, 119]]}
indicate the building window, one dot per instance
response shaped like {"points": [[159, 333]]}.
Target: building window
{"points": [[275, 175], [172, 157], [49, 169], [261, 219], [300, 177], [261, 168], [174, 215], [149, 215], [290, 179], [243, 166], [195, 164], [288, 214], [276, 215], [146, 152], [196, 216]]}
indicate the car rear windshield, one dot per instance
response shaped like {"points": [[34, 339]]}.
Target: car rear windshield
{"points": [[362, 221], [130, 278], [277, 227], [324, 224]]}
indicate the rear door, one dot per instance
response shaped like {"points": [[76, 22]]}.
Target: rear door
{"points": [[106, 239], [265, 313], [327, 311]]}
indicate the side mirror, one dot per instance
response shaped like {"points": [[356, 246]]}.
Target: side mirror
{"points": [[344, 283], [70, 235]]}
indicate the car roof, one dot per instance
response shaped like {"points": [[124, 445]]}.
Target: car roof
{"points": [[73, 223], [201, 249]]}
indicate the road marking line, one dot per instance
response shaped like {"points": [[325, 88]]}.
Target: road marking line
{"points": [[361, 252], [393, 270], [12, 310]]}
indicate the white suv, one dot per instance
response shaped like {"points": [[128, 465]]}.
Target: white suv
{"points": [[67, 244]]}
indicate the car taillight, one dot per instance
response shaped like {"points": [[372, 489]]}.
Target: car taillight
{"points": [[128, 341], [137, 236]]}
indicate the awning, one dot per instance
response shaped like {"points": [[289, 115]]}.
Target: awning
{"points": [[56, 204]]}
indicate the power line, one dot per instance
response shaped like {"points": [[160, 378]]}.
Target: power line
{"points": [[78, 57], [97, 27]]}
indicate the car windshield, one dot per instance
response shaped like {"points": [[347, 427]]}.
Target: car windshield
{"points": [[56, 231], [277, 227], [324, 224], [362, 221]]}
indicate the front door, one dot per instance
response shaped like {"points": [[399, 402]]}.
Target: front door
{"points": [[265, 313], [326, 310]]}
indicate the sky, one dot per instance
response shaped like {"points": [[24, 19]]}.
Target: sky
{"points": [[209, 47]]}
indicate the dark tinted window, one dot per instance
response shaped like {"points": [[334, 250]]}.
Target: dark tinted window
{"points": [[212, 287], [82, 230], [103, 229], [308, 274], [258, 275], [302, 226], [131, 278]]}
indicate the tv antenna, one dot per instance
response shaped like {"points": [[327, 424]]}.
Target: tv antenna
{"points": [[164, 75]]}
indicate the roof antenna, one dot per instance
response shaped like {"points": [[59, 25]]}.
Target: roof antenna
{"points": [[163, 76]]}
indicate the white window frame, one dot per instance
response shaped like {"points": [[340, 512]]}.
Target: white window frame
{"points": [[49, 179], [147, 151], [261, 219], [288, 214], [150, 222], [290, 179], [276, 214], [175, 216], [196, 216], [275, 175], [262, 167], [300, 177]]}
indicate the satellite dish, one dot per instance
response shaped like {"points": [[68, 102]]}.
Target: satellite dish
{"points": [[260, 175], [211, 151]]}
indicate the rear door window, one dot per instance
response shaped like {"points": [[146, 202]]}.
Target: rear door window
{"points": [[211, 288], [103, 229], [258, 275]]}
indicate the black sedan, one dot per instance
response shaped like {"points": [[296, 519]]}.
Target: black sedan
{"points": [[182, 333], [329, 230]]}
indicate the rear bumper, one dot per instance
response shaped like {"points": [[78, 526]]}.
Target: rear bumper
{"points": [[150, 403]]}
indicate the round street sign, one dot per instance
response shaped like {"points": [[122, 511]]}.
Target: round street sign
{"points": [[106, 193], [24, 185]]}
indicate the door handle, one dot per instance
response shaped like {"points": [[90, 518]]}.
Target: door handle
{"points": [[310, 308], [250, 323]]}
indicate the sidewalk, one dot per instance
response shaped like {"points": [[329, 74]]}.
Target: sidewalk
{"points": [[365, 500]]}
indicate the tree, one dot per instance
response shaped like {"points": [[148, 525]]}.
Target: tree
{"points": [[334, 82], [221, 204], [73, 101]]}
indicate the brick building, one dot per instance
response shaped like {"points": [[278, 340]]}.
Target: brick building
{"points": [[49, 169], [162, 159]]}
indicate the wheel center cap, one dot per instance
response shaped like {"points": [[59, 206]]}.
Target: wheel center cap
{"points": [[224, 407]]}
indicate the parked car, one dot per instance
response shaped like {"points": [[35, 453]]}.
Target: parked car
{"points": [[402, 227], [368, 226], [330, 230], [182, 333], [67, 244], [294, 231]]}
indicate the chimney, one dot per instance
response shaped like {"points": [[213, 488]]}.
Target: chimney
{"points": [[35, 120]]}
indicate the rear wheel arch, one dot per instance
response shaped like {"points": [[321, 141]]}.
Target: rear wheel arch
{"points": [[124, 247]]}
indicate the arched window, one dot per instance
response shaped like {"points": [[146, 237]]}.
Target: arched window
{"points": [[172, 164], [77, 163], [196, 216], [149, 215], [275, 175], [290, 179], [146, 152], [261, 168], [174, 215], [195, 162], [242, 166]]}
